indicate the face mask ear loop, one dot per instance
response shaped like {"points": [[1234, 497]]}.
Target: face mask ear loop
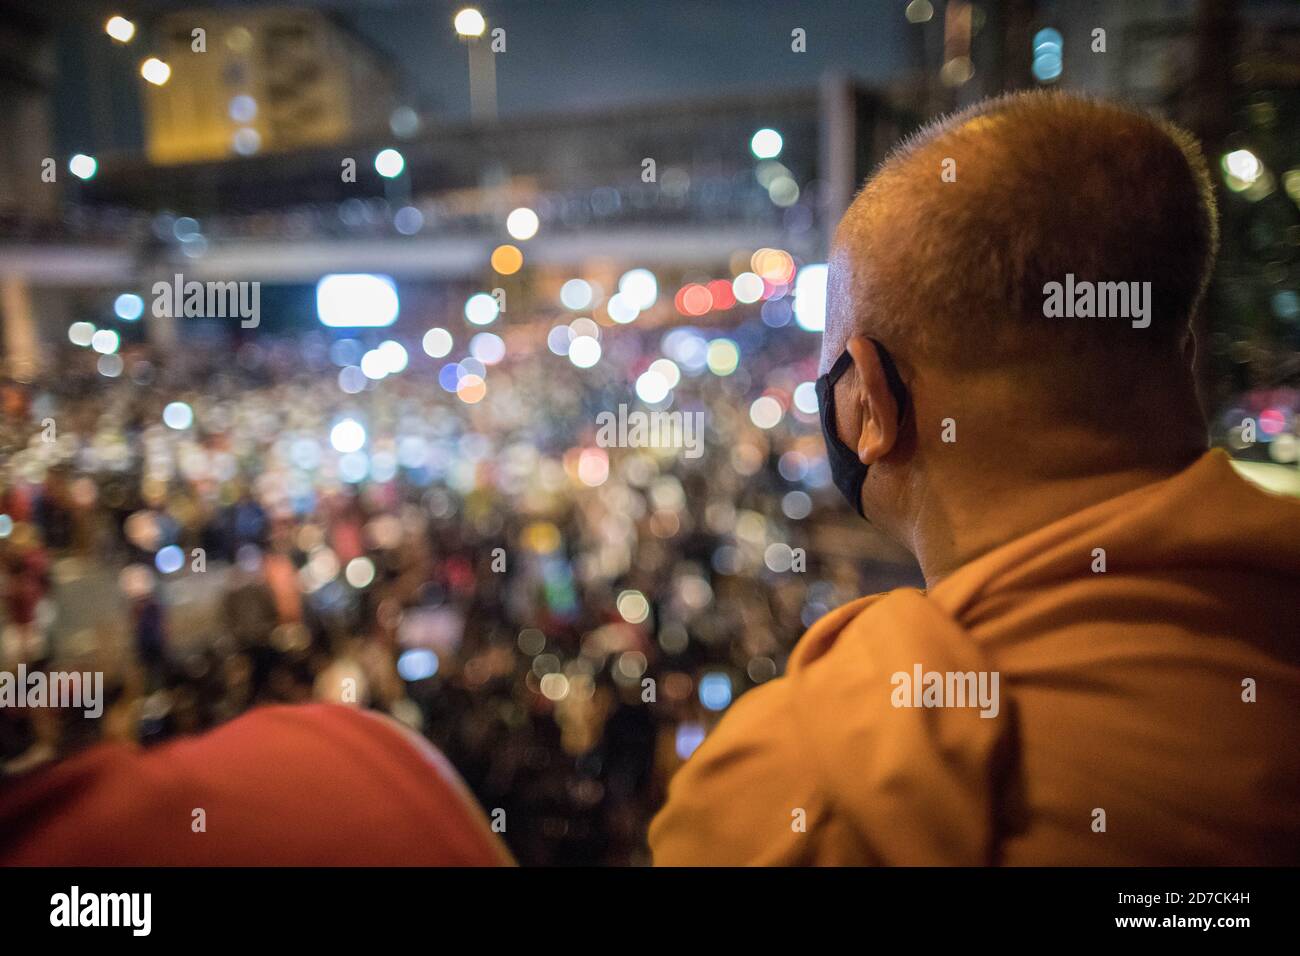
{"points": [[847, 471]]}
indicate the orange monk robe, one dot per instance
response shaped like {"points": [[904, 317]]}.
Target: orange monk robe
{"points": [[1148, 713]]}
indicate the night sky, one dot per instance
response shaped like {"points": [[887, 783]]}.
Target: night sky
{"points": [[561, 54], [577, 54]]}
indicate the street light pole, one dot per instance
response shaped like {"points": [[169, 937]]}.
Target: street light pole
{"points": [[471, 27], [482, 81]]}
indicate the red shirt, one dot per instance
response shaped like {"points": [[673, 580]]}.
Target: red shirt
{"points": [[312, 785]]}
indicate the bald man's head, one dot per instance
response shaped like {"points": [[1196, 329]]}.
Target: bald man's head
{"points": [[945, 254]]}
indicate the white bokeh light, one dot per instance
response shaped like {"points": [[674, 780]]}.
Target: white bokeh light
{"points": [[128, 307], [481, 309], [389, 163], [651, 387], [81, 333], [488, 348], [82, 166], [747, 288], [584, 351], [805, 398], [766, 412], [120, 29], [522, 223], [766, 144], [621, 309], [348, 436], [357, 300], [639, 287], [810, 297], [393, 354], [373, 365], [575, 294], [668, 369], [155, 71], [437, 343], [105, 341], [469, 23], [178, 415], [360, 572]]}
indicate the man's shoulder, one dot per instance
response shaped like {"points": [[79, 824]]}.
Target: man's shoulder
{"points": [[308, 784], [869, 626], [829, 743]]}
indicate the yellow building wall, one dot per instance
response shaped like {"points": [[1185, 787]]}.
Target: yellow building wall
{"points": [[296, 64]]}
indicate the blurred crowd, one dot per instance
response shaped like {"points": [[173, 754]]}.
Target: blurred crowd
{"points": [[445, 541]]}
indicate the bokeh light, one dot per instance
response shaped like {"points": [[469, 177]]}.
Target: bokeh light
{"points": [[482, 309], [766, 144], [348, 436], [389, 163], [522, 223], [437, 342], [178, 416], [507, 259]]}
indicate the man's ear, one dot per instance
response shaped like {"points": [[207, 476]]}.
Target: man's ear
{"points": [[877, 407]]}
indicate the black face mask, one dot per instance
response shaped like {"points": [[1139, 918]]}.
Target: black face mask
{"points": [[847, 470]]}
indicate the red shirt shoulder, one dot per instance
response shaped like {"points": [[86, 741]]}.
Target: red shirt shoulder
{"points": [[311, 785]]}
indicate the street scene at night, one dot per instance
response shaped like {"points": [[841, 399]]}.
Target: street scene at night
{"points": [[616, 434]]}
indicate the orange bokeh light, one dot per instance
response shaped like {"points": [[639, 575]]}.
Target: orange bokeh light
{"points": [[507, 259]]}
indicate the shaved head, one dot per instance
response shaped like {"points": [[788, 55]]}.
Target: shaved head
{"points": [[1032, 266], [946, 253]]}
